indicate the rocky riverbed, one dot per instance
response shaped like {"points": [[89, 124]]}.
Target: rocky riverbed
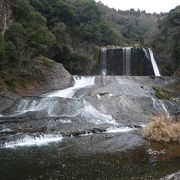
{"points": [[96, 115], [92, 102]]}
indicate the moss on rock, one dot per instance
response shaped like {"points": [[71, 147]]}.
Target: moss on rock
{"points": [[162, 93]]}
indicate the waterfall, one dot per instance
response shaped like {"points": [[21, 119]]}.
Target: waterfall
{"points": [[154, 64], [53, 105], [80, 82], [103, 59], [5, 24], [127, 61], [159, 105]]}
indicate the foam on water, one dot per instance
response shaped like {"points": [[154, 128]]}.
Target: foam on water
{"points": [[159, 105], [93, 115], [103, 71], [28, 105], [6, 130], [33, 141], [65, 121], [153, 61], [120, 129], [154, 64], [80, 82]]}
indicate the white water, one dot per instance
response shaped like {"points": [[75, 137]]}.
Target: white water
{"points": [[80, 82], [34, 141], [127, 61], [154, 64], [5, 24], [120, 129], [159, 105], [124, 61], [103, 61], [1, 115], [91, 114], [65, 121], [6, 130], [30, 106]]}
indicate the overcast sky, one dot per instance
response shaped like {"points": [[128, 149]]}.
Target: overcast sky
{"points": [[147, 5]]}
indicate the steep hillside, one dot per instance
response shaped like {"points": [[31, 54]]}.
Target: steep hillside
{"points": [[66, 31], [136, 27], [71, 32], [167, 42]]}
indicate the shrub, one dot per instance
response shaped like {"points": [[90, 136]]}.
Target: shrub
{"points": [[162, 128]]}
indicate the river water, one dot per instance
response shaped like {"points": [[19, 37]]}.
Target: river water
{"points": [[91, 157], [82, 133]]}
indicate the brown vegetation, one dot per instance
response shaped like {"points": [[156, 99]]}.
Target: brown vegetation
{"points": [[163, 128]]}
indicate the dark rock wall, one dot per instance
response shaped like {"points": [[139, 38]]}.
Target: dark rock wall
{"points": [[115, 61], [140, 64]]}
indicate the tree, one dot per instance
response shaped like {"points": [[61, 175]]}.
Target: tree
{"points": [[62, 37], [17, 35]]}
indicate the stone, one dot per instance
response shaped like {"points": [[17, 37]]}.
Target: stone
{"points": [[174, 176]]}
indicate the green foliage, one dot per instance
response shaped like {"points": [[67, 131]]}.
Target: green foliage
{"points": [[168, 42], [41, 40], [162, 93], [173, 17], [55, 28], [61, 10], [63, 39], [17, 35], [41, 6]]}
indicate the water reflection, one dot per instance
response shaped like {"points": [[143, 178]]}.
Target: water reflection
{"points": [[79, 158]]}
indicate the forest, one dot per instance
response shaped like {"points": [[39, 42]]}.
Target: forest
{"points": [[58, 29]]}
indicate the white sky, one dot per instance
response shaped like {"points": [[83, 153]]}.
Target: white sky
{"points": [[147, 5]]}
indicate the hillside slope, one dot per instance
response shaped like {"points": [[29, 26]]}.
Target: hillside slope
{"points": [[71, 32], [167, 42]]}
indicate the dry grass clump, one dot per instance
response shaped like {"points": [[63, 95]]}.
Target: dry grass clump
{"points": [[162, 128]]}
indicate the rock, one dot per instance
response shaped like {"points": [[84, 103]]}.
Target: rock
{"points": [[7, 99], [57, 77], [54, 76], [174, 176]]}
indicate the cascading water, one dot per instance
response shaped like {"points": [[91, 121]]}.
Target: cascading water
{"points": [[149, 55], [159, 106], [98, 115], [79, 82], [127, 61], [59, 104], [103, 58], [30, 141], [154, 64], [54, 106]]}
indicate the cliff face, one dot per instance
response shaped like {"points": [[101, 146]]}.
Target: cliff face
{"points": [[5, 15]]}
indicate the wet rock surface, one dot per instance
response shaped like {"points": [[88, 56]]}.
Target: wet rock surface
{"points": [[111, 102], [174, 176], [88, 131], [55, 77]]}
